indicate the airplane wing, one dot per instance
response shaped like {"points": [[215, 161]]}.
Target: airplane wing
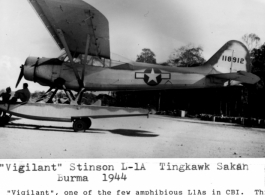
{"points": [[76, 19], [242, 76]]}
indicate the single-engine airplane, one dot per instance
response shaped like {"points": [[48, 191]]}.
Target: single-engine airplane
{"points": [[82, 32]]}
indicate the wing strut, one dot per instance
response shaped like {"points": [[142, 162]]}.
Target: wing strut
{"points": [[86, 52], [90, 17], [61, 36]]}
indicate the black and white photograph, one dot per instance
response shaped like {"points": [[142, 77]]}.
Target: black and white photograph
{"points": [[123, 79]]}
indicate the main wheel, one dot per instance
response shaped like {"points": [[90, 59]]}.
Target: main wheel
{"points": [[79, 125], [4, 120], [88, 122]]}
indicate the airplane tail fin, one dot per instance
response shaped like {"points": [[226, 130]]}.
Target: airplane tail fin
{"points": [[232, 62], [232, 57]]}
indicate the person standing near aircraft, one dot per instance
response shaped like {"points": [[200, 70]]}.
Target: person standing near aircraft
{"points": [[5, 98], [6, 95], [22, 94]]}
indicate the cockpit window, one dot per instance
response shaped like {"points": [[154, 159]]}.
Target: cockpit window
{"points": [[91, 60]]}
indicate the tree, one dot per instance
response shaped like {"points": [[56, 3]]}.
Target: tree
{"points": [[146, 56], [252, 41], [256, 104], [258, 57], [187, 56], [258, 63], [37, 94], [88, 98]]}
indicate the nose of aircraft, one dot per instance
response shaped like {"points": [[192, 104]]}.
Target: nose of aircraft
{"points": [[27, 70]]}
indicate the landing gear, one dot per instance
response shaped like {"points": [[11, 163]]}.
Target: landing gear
{"points": [[59, 83], [81, 124], [88, 122], [4, 120]]}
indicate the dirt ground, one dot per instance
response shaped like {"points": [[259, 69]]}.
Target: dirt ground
{"points": [[130, 137]]}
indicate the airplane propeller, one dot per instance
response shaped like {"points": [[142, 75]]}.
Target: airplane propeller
{"points": [[20, 75]]}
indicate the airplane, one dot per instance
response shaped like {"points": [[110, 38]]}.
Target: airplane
{"points": [[82, 32]]}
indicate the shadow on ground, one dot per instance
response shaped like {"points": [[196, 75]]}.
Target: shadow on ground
{"points": [[14, 119], [130, 132], [124, 132]]}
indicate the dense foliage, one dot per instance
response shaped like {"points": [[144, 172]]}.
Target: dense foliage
{"points": [[187, 56], [146, 56]]}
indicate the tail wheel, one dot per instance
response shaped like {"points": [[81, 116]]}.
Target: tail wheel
{"points": [[79, 125]]}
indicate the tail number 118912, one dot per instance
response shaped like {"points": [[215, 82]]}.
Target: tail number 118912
{"points": [[233, 59]]}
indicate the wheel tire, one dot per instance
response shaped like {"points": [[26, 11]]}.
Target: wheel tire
{"points": [[6, 119], [2, 124], [88, 123], [79, 125]]}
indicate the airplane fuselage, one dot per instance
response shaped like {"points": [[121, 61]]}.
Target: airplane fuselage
{"points": [[140, 76]]}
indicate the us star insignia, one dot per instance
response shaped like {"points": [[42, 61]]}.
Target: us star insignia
{"points": [[152, 76]]}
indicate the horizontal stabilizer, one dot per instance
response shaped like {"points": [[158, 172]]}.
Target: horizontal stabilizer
{"points": [[242, 76]]}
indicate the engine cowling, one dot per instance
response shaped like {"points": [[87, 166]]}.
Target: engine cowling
{"points": [[41, 70]]}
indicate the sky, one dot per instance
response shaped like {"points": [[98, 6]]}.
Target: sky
{"points": [[161, 26]]}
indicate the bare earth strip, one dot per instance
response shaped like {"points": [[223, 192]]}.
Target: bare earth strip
{"points": [[132, 137]]}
